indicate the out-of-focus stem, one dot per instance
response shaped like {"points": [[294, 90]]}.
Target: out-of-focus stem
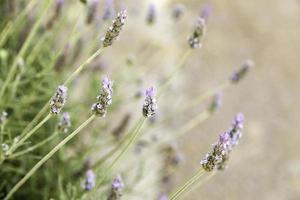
{"points": [[48, 156], [24, 49], [182, 189]]}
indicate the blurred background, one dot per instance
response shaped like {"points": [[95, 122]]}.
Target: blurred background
{"points": [[266, 163]]}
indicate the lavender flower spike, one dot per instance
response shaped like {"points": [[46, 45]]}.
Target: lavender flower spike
{"points": [[104, 99], [58, 100], [236, 129], [150, 106], [114, 30], [90, 180], [219, 155], [109, 10], [117, 187], [195, 41], [151, 16], [239, 74], [178, 11], [64, 123]]}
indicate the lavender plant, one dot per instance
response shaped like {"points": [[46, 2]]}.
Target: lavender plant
{"points": [[46, 84]]}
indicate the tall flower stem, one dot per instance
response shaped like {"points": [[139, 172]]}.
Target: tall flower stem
{"points": [[186, 186], [30, 133], [20, 153], [24, 49], [133, 137], [177, 68], [48, 156]]}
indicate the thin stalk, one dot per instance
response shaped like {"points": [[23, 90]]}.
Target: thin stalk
{"points": [[81, 67], [10, 25], [20, 153], [182, 189], [180, 65], [24, 49], [124, 150], [35, 119], [30, 133], [48, 156]]}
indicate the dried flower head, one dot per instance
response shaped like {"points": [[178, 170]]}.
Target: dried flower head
{"points": [[3, 117], [92, 11], [216, 102], [90, 180], [64, 123], [195, 40], [114, 30], [58, 100], [240, 73], [116, 191], [151, 15], [178, 11], [104, 99], [150, 107], [218, 157]]}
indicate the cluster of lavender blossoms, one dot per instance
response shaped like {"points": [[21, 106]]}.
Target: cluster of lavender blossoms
{"points": [[163, 197], [117, 187], [151, 15], [104, 99], [90, 180], [240, 73], [195, 40], [150, 106], [58, 100], [64, 123], [114, 30], [217, 158]]}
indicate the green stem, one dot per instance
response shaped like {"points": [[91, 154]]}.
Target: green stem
{"points": [[180, 64], [182, 189], [81, 67], [124, 150], [48, 156], [30, 133], [20, 153], [24, 49]]}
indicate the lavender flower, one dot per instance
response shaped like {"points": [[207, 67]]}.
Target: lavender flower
{"points": [[178, 11], [195, 41], [64, 123], [3, 117], [150, 106], [236, 129], [109, 10], [206, 12], [58, 100], [151, 15], [216, 102], [219, 155], [163, 197], [104, 99], [240, 73], [92, 11], [114, 31], [90, 180], [116, 189]]}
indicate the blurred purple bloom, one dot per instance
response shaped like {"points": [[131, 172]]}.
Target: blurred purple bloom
{"points": [[150, 106], [240, 73], [206, 12], [90, 180]]}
